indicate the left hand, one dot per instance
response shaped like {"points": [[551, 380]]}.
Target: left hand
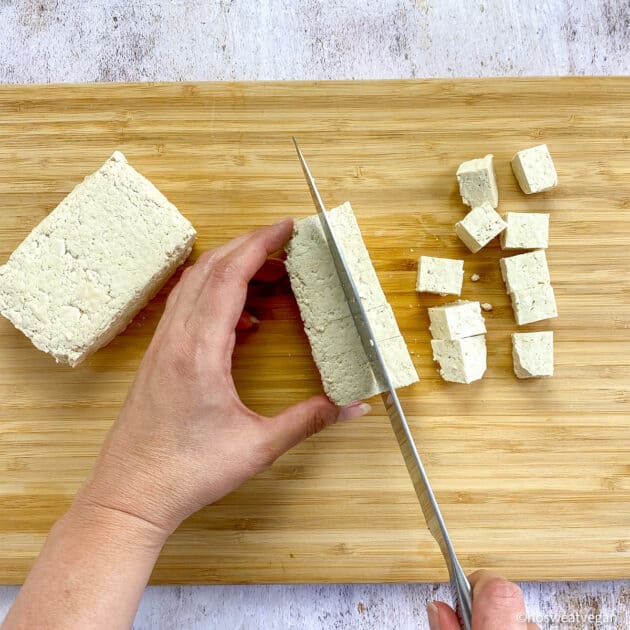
{"points": [[183, 438]]}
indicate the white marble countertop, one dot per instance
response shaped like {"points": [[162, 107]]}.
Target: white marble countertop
{"points": [[171, 40]]}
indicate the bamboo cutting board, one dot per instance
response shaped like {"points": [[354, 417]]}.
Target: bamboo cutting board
{"points": [[532, 476]]}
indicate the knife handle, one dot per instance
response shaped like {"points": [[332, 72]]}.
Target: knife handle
{"points": [[463, 597]]}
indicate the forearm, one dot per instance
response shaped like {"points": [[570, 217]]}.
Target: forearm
{"points": [[91, 571]]}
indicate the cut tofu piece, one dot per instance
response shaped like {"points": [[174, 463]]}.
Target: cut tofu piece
{"points": [[81, 275], [343, 385], [343, 365], [479, 227], [524, 271], [461, 360], [534, 305], [477, 182], [534, 169], [525, 230], [532, 354], [323, 301], [440, 275], [456, 320], [341, 337]]}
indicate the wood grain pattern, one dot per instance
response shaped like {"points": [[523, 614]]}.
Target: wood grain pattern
{"points": [[533, 476]]}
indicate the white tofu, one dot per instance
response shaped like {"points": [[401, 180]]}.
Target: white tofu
{"points": [[477, 182], [479, 227], [335, 344], [456, 320], [525, 230], [347, 378], [524, 271], [534, 169], [532, 354], [534, 305], [81, 275], [341, 337], [461, 360], [440, 275]]}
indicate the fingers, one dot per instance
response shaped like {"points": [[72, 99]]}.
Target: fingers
{"points": [[299, 422], [496, 603], [247, 321], [271, 271], [442, 617], [222, 297]]}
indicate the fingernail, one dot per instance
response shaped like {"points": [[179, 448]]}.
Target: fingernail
{"points": [[253, 319], [434, 616], [355, 410]]}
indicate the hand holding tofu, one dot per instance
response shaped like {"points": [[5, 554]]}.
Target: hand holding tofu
{"points": [[183, 423]]}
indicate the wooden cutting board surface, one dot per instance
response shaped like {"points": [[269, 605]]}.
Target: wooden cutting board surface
{"points": [[532, 476]]}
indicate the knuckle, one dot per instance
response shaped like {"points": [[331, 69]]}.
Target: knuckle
{"points": [[316, 423], [265, 456], [500, 590], [223, 272]]}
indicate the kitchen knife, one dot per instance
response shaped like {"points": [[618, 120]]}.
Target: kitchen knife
{"points": [[435, 522]]}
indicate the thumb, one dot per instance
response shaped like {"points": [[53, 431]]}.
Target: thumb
{"points": [[308, 417]]}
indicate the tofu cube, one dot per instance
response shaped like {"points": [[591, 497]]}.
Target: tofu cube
{"points": [[456, 320], [82, 274], [335, 344], [477, 182], [524, 271], [461, 360], [534, 169], [479, 227], [440, 275], [532, 354], [525, 230], [534, 305]]}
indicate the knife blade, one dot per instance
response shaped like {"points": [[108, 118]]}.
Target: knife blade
{"points": [[430, 508]]}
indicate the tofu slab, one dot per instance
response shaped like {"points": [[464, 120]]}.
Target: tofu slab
{"points": [[532, 354], [456, 320], [477, 182], [479, 227], [83, 273], [534, 169], [343, 365], [461, 360], [440, 275], [525, 230]]}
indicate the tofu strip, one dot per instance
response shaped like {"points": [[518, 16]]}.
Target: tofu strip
{"points": [[343, 365]]}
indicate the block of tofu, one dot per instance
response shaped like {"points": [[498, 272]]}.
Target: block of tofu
{"points": [[440, 275], [479, 227], [534, 169], [461, 360], [534, 305], [477, 182], [532, 354], [456, 320], [343, 365], [525, 230], [81, 275], [524, 271]]}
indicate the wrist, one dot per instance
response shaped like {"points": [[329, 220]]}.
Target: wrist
{"points": [[125, 529]]}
